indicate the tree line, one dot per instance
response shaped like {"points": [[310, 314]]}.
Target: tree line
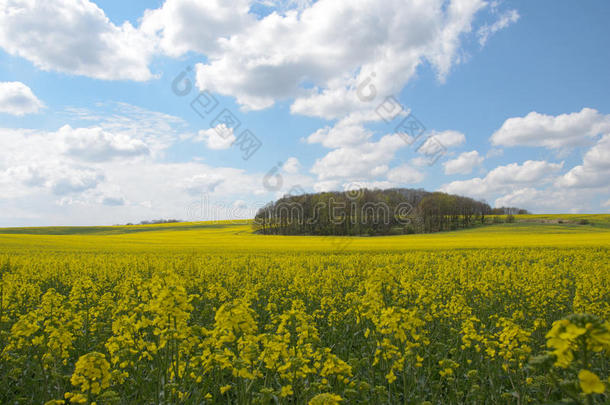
{"points": [[372, 212]]}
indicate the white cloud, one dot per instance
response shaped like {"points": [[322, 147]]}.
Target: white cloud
{"points": [[364, 161], [291, 165], [74, 181], [129, 191], [123, 133], [371, 185], [81, 187], [113, 201], [520, 198], [75, 37], [505, 179], [356, 157], [104, 194], [199, 26], [18, 99], [494, 152], [157, 130], [202, 183], [336, 185], [595, 169], [217, 138], [240, 204], [96, 145], [321, 54], [420, 161], [554, 132], [446, 139], [464, 163], [340, 134], [554, 200], [59, 178], [315, 52], [74, 161], [574, 191], [405, 175], [282, 6], [326, 185], [549, 200], [504, 20]]}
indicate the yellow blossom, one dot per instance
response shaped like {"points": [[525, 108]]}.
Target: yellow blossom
{"points": [[590, 382]]}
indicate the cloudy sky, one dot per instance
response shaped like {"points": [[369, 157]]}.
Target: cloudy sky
{"points": [[114, 111]]}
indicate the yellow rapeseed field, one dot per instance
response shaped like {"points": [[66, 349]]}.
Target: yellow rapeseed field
{"points": [[201, 313]]}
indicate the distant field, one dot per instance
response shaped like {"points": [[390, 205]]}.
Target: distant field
{"points": [[527, 231], [208, 313]]}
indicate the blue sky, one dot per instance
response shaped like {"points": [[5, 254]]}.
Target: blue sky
{"points": [[512, 95]]}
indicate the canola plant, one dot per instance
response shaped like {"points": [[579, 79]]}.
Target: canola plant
{"points": [[442, 326]]}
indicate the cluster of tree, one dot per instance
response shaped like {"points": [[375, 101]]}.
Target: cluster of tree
{"points": [[509, 211], [370, 212]]}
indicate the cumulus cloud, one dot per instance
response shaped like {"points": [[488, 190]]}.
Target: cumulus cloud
{"points": [[340, 134], [443, 140], [595, 169], [573, 191], [74, 160], [322, 53], [75, 181], [420, 161], [356, 157], [315, 52], [75, 37], [103, 195], [405, 175], [202, 183], [59, 178], [326, 185], [199, 26], [505, 179], [548, 200], [553, 132], [523, 197], [96, 145], [18, 99], [291, 165], [364, 161], [217, 138], [464, 163], [61, 182]]}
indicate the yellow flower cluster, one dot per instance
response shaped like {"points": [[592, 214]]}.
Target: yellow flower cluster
{"points": [[91, 376], [92, 373], [444, 326], [577, 332]]}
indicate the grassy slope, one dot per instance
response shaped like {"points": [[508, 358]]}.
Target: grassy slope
{"points": [[529, 231]]}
